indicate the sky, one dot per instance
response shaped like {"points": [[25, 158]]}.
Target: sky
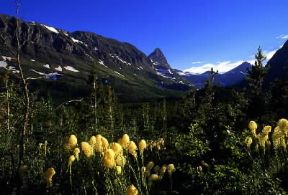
{"points": [[194, 35]]}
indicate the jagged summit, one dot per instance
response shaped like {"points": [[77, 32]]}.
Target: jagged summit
{"points": [[158, 58]]}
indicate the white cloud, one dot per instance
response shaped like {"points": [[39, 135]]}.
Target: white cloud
{"points": [[220, 66], [197, 62], [282, 37], [269, 54], [227, 65]]}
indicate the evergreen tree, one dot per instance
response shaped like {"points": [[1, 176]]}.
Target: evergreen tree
{"points": [[254, 91]]}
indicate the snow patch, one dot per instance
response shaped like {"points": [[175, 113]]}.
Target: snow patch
{"points": [[65, 33], [6, 58], [102, 63], [162, 75], [52, 29], [120, 59], [46, 66], [70, 68], [11, 68], [16, 71], [76, 40], [169, 70], [119, 73], [59, 68], [3, 64]]}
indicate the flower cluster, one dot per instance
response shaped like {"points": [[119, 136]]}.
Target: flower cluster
{"points": [[156, 144], [154, 172], [279, 135], [114, 156]]}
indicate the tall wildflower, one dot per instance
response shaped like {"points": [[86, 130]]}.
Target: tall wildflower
{"points": [[117, 148], [87, 149], [109, 158], [132, 148], [76, 153], [120, 160], [248, 141], [105, 143], [124, 141], [171, 169], [92, 140], [71, 160], [72, 142], [253, 127], [283, 125], [142, 146], [276, 136], [48, 176], [98, 144], [132, 190]]}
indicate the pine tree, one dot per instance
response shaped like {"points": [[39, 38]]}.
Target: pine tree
{"points": [[254, 91], [256, 75]]}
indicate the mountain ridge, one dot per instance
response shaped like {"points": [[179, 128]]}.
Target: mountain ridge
{"points": [[75, 55]]}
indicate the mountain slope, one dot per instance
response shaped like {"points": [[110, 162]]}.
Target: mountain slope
{"points": [[278, 65], [230, 78], [74, 56]]}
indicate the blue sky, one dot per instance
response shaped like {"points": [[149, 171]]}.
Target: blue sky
{"points": [[191, 33]]}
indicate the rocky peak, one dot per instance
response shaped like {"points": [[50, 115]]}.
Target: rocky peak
{"points": [[158, 58]]}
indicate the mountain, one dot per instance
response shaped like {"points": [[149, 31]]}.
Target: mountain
{"points": [[230, 78], [163, 69], [158, 59], [64, 61], [278, 65]]}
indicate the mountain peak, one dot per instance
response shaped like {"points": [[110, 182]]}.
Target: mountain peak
{"points": [[158, 58]]}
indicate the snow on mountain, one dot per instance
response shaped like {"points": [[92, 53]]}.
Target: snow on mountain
{"points": [[59, 68], [52, 29], [70, 68]]}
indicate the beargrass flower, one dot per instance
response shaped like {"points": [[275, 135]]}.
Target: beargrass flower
{"points": [[124, 141], [105, 143], [171, 169], [142, 146], [118, 170], [87, 149], [109, 158], [48, 176], [150, 165], [248, 141], [132, 148], [267, 129], [71, 160], [92, 140], [154, 177], [76, 153], [72, 142], [163, 170], [117, 148], [120, 160], [253, 126], [283, 123], [132, 190]]}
